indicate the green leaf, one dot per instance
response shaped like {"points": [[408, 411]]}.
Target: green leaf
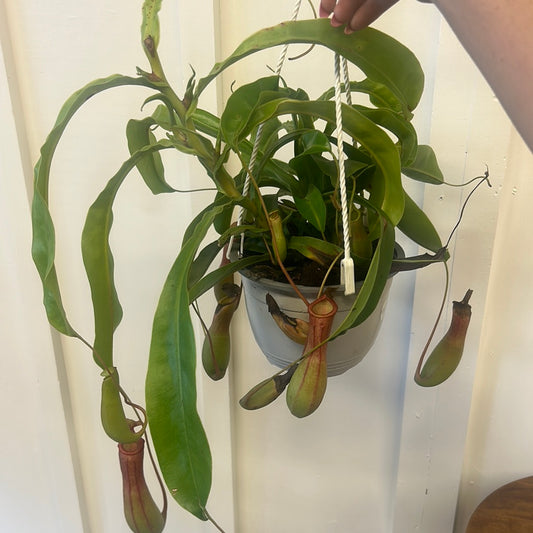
{"points": [[206, 122], [98, 259], [308, 169], [268, 171], [419, 261], [249, 230], [380, 95], [203, 261], [241, 104], [312, 208], [314, 142], [374, 284], [43, 241], [139, 134], [270, 131], [179, 437], [322, 252], [330, 168], [163, 115], [376, 142], [401, 128], [425, 167], [43, 251], [416, 225], [221, 204], [210, 280], [223, 221], [379, 56], [278, 173]]}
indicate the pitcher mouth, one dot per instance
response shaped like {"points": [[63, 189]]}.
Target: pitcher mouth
{"points": [[284, 351]]}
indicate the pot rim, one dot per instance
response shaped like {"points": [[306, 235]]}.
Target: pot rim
{"points": [[399, 253]]}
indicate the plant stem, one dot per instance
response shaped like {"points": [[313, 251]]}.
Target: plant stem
{"points": [[207, 157], [330, 268], [136, 408], [483, 179], [271, 229], [432, 333], [211, 519], [158, 477]]}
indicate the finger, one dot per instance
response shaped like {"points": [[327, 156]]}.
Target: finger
{"points": [[326, 7], [368, 12], [345, 10]]}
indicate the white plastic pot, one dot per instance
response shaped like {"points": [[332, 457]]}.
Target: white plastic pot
{"points": [[343, 353]]}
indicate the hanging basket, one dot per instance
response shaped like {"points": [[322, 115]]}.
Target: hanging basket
{"points": [[344, 352]]}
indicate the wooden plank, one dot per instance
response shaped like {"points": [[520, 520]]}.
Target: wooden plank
{"points": [[509, 508]]}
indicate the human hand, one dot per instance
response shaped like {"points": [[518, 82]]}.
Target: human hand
{"points": [[354, 14]]}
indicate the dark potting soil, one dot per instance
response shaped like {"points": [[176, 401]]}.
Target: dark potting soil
{"points": [[308, 273]]}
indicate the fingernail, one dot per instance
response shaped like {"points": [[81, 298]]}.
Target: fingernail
{"points": [[348, 30], [335, 23]]}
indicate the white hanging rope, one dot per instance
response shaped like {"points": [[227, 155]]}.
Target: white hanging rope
{"points": [[346, 81], [347, 265], [258, 136]]}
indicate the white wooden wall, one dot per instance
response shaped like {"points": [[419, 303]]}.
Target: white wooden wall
{"points": [[381, 455]]}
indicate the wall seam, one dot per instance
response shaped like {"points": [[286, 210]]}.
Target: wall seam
{"points": [[20, 121]]}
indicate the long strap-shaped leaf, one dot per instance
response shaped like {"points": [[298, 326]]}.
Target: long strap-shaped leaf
{"points": [[396, 124], [179, 438], [208, 281], [376, 278], [418, 227], [98, 259], [43, 243], [379, 56]]}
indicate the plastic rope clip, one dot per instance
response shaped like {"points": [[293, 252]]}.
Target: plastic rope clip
{"points": [[348, 276]]}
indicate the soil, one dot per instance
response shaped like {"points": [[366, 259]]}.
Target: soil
{"points": [[308, 274]]}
